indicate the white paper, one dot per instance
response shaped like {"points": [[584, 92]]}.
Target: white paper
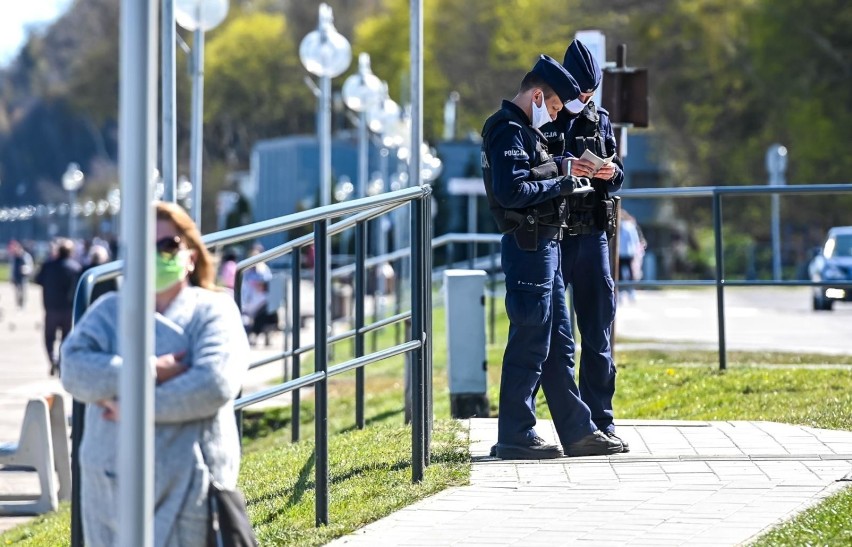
{"points": [[596, 160]]}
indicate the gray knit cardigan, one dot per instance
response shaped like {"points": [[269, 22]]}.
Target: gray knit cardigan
{"points": [[195, 428]]}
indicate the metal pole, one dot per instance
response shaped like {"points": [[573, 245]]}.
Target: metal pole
{"points": [[360, 293], [471, 229], [416, 48], [137, 157], [363, 156], [324, 130], [776, 237], [321, 315], [197, 124], [296, 300], [492, 276], [72, 220], [418, 417], [168, 152], [426, 202], [720, 280]]}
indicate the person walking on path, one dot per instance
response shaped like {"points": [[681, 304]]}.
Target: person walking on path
{"points": [[58, 279], [202, 357], [21, 269], [525, 187]]}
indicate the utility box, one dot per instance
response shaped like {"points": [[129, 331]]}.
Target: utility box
{"points": [[464, 294]]}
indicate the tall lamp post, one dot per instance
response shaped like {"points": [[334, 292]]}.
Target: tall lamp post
{"points": [[72, 180], [198, 16], [325, 53], [776, 165], [362, 92]]}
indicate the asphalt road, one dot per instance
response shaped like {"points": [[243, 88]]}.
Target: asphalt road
{"points": [[778, 319]]}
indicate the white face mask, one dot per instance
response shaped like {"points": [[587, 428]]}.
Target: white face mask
{"points": [[540, 115], [575, 107]]}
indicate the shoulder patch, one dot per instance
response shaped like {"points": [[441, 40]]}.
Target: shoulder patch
{"points": [[516, 154]]}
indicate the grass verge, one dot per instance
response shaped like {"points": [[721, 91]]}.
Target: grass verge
{"points": [[370, 469]]}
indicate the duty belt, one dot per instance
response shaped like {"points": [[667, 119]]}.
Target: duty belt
{"points": [[551, 231], [581, 230]]}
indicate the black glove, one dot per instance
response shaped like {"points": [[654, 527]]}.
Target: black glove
{"points": [[571, 183]]}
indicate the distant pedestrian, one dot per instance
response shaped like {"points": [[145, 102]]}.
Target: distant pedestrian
{"points": [[58, 279], [228, 270], [22, 270], [631, 251], [98, 255]]}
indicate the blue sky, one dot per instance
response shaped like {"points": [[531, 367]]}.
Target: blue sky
{"points": [[17, 15]]}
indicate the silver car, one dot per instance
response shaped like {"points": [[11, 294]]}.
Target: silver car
{"points": [[833, 263]]}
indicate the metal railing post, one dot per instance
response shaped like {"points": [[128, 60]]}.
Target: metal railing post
{"points": [[427, 326], [417, 356], [296, 312], [321, 316], [720, 280], [78, 421], [492, 276], [360, 293]]}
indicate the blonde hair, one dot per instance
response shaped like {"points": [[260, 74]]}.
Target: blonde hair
{"points": [[204, 274]]}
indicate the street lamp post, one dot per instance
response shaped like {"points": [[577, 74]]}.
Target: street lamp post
{"points": [[362, 92], [72, 180], [325, 53], [776, 165], [198, 16]]}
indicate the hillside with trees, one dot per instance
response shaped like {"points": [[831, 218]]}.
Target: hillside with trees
{"points": [[728, 78]]}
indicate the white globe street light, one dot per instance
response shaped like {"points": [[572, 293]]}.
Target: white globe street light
{"points": [[363, 92], [198, 16], [325, 53], [72, 180], [201, 15]]}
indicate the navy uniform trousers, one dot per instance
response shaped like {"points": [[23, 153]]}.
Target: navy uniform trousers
{"points": [[539, 349], [585, 266]]}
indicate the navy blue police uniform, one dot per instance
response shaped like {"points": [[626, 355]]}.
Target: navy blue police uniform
{"points": [[585, 250], [524, 190]]}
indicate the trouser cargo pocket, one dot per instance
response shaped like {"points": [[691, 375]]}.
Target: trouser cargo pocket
{"points": [[528, 304]]}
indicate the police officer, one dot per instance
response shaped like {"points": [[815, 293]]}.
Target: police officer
{"points": [[525, 190], [582, 125]]}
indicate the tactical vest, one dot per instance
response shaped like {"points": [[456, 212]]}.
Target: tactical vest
{"points": [[587, 133], [596, 211], [551, 212]]}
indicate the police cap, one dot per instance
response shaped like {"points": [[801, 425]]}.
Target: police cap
{"points": [[582, 66], [555, 75]]}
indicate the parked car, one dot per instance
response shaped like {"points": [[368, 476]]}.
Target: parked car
{"points": [[833, 263]]}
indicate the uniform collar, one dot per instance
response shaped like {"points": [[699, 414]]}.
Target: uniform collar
{"points": [[509, 105]]}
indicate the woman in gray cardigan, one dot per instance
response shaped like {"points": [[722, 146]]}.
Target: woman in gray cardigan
{"points": [[201, 359]]}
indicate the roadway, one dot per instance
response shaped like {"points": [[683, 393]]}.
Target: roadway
{"points": [[763, 318]]}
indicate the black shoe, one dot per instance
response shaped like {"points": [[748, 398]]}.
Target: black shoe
{"points": [[624, 446], [493, 451], [537, 449], [594, 444]]}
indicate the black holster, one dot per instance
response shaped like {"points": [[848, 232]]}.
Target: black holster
{"points": [[605, 215], [526, 234]]}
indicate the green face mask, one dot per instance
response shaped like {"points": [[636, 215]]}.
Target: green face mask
{"points": [[171, 269]]}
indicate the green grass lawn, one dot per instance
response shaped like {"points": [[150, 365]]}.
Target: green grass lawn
{"points": [[370, 470]]}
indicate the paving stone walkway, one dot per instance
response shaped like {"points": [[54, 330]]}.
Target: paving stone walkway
{"points": [[683, 483]]}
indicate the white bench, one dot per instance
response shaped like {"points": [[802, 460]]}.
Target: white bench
{"points": [[42, 446]]}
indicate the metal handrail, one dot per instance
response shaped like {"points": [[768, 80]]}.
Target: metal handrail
{"points": [[364, 210], [716, 193]]}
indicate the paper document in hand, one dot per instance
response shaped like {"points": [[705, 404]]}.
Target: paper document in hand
{"points": [[596, 160]]}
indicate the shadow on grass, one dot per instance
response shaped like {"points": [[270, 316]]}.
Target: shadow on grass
{"points": [[375, 419], [296, 492]]}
